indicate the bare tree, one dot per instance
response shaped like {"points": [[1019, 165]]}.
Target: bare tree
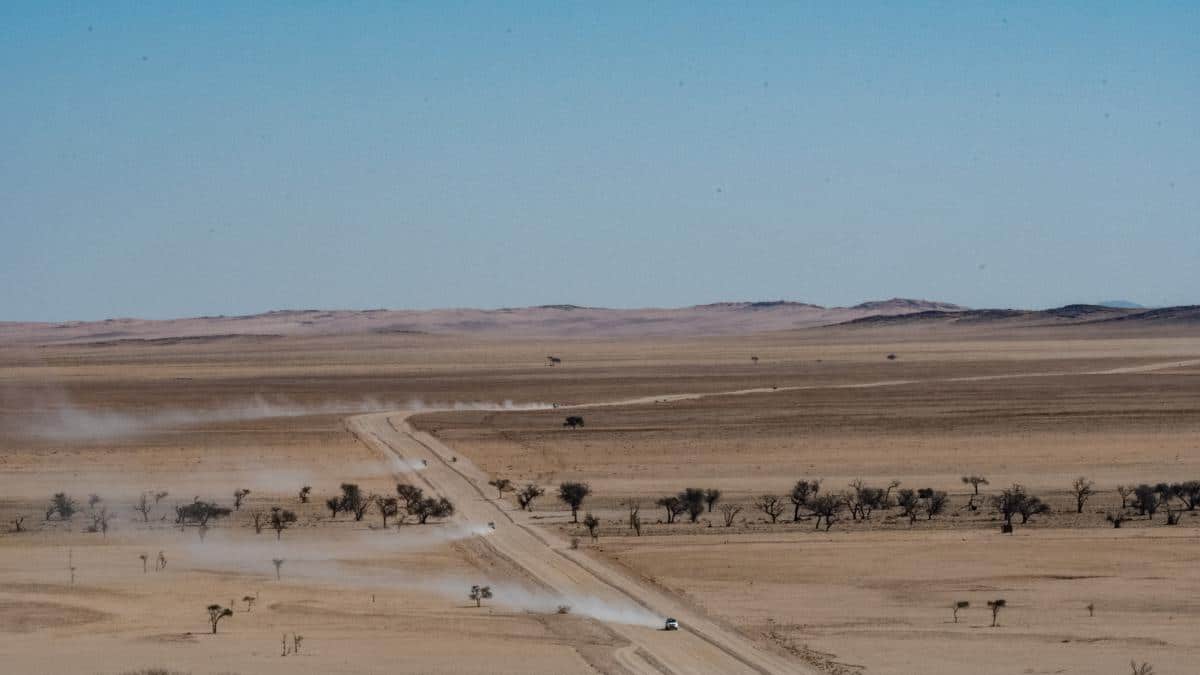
{"points": [[592, 523], [501, 484], [281, 519], [100, 518], [711, 497], [1115, 517], [144, 507], [1091, 608], [527, 495], [250, 600], [635, 516], [1032, 506], [771, 505], [259, 518], [278, 563], [334, 505], [160, 563], [388, 507], [673, 505], [729, 512], [144, 559], [995, 606], [1082, 487], [238, 496], [864, 499], [975, 482], [159, 496], [18, 524], [909, 503], [826, 506], [479, 594], [802, 492], [1124, 491], [216, 613], [304, 492], [572, 494], [961, 604]]}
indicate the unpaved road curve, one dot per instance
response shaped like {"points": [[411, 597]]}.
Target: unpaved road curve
{"points": [[704, 645]]}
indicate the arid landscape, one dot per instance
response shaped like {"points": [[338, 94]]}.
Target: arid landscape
{"points": [[148, 429]]}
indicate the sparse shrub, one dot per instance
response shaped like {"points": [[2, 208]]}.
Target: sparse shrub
{"points": [[909, 503], [1082, 487], [573, 422], [1188, 492], [935, 501], [304, 492], [673, 505], [592, 523], [563, 609], [1124, 491], [826, 506], [249, 600], [1141, 668], [771, 505], [238, 497], [409, 495], [1116, 518], [62, 506], [144, 507], [573, 494], [527, 495], [729, 512], [334, 505]]}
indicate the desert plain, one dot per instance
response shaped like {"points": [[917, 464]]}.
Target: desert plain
{"points": [[202, 410]]}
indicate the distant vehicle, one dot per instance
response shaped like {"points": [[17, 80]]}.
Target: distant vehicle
{"points": [[672, 624]]}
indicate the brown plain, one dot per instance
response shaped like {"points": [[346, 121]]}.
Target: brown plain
{"points": [[1032, 405]]}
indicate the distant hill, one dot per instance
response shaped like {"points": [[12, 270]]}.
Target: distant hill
{"points": [[559, 320], [1121, 304], [1067, 315]]}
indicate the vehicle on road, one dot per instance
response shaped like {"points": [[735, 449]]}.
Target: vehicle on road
{"points": [[671, 624]]}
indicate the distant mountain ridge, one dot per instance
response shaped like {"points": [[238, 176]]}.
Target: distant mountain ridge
{"points": [[555, 320], [1078, 314]]}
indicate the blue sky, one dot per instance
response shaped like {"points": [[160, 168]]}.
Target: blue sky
{"points": [[217, 158]]}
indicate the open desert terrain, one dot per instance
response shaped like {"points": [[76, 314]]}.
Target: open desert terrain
{"points": [[747, 401]]}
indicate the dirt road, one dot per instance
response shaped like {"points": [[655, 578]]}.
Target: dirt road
{"points": [[702, 646]]}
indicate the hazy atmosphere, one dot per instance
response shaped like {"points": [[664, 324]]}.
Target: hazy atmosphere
{"points": [[229, 158], [619, 338]]}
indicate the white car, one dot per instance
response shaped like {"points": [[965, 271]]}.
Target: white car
{"points": [[671, 624]]}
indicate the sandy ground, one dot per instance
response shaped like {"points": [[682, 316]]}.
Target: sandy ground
{"points": [[1034, 407]]}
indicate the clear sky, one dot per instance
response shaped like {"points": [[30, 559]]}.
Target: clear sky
{"points": [[222, 158]]}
